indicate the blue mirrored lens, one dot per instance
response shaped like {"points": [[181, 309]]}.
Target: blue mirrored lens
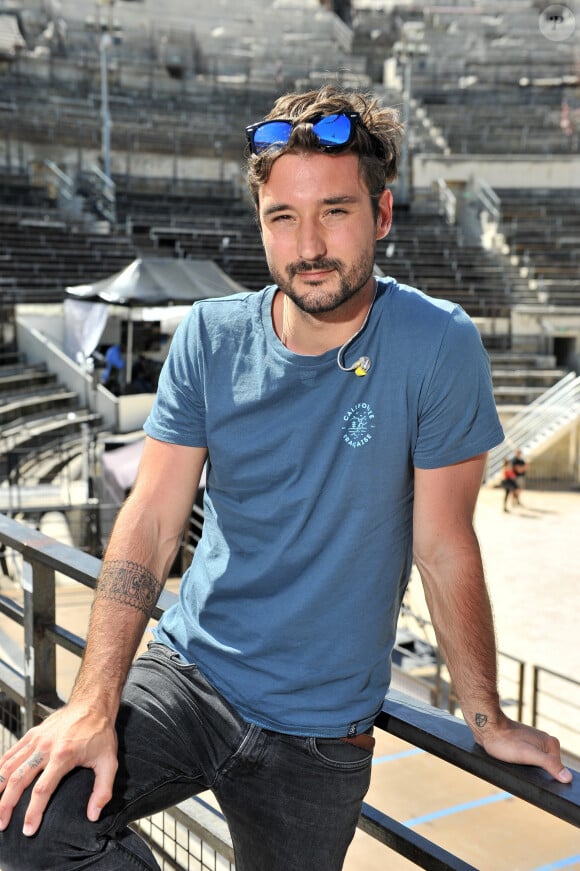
{"points": [[272, 133], [333, 129]]}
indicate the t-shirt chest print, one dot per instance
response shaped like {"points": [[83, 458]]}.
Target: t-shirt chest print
{"points": [[358, 424]]}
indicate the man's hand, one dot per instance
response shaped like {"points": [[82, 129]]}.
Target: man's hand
{"points": [[74, 736], [516, 742]]}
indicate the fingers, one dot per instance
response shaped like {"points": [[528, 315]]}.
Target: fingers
{"points": [[526, 745], [15, 756], [21, 765], [564, 775], [73, 736], [42, 791], [545, 753], [26, 765], [552, 760], [105, 771], [552, 763]]}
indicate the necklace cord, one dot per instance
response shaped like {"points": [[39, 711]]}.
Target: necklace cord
{"points": [[363, 363]]}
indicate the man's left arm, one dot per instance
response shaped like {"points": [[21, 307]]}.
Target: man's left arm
{"points": [[447, 554]]}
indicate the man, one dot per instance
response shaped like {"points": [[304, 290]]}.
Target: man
{"points": [[114, 372], [345, 422]]}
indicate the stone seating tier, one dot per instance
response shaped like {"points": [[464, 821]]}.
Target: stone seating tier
{"points": [[542, 229]]}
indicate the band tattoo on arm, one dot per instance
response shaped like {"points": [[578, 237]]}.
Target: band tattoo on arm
{"points": [[129, 584]]}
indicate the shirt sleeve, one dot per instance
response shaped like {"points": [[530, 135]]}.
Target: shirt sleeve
{"points": [[457, 417], [178, 413]]}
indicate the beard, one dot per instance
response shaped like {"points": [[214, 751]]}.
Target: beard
{"points": [[320, 297]]}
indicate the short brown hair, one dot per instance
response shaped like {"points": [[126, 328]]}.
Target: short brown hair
{"points": [[377, 139]]}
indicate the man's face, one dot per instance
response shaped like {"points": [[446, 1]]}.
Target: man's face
{"points": [[318, 228]]}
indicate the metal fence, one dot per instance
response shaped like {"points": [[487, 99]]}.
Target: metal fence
{"points": [[189, 837], [556, 706], [193, 835]]}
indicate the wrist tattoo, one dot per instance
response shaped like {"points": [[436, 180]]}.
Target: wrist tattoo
{"points": [[480, 720], [129, 584]]}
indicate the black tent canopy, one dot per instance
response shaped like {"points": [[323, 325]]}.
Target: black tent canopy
{"points": [[159, 281], [150, 283]]}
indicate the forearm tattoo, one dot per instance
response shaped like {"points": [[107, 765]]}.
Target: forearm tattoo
{"points": [[129, 584], [480, 720]]}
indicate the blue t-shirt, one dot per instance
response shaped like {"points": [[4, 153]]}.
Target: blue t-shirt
{"points": [[291, 603]]}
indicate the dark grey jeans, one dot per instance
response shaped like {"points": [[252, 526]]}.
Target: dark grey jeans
{"points": [[291, 803]]}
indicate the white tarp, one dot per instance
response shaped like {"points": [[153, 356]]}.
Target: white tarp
{"points": [[11, 39], [84, 323]]}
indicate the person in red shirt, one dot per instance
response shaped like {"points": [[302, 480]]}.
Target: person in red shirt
{"points": [[510, 485]]}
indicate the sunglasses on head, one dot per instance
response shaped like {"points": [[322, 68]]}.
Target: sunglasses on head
{"points": [[332, 132]]}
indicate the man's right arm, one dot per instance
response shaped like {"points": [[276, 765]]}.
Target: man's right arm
{"points": [[143, 545]]}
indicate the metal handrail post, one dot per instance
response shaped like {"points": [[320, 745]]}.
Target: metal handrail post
{"points": [[535, 693], [39, 649], [522, 670]]}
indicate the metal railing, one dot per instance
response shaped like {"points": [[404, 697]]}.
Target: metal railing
{"points": [[102, 192], [539, 424], [57, 180], [190, 831], [555, 706], [447, 200]]}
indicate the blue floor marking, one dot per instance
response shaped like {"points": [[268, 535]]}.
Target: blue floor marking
{"points": [[208, 807], [457, 809], [402, 755], [561, 863]]}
